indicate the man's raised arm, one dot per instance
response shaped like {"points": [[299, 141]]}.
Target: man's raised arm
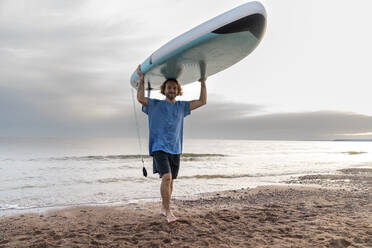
{"points": [[141, 87], [203, 96]]}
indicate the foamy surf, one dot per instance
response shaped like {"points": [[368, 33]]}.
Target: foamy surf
{"points": [[44, 174]]}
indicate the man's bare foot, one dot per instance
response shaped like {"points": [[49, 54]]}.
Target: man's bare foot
{"points": [[163, 212], [170, 217]]}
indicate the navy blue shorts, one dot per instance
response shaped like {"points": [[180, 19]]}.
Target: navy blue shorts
{"points": [[164, 163]]}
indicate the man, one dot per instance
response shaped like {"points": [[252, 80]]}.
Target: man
{"points": [[166, 132]]}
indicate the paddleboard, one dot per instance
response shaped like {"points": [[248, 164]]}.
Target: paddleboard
{"points": [[206, 49]]}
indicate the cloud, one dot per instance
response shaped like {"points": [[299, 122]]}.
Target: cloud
{"points": [[65, 67], [41, 114], [320, 125], [64, 70], [26, 114]]}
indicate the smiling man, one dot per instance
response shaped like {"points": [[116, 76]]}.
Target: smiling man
{"points": [[166, 132]]}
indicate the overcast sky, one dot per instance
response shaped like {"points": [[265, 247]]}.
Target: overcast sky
{"points": [[65, 69]]}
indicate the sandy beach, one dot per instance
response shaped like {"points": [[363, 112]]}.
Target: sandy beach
{"points": [[332, 210]]}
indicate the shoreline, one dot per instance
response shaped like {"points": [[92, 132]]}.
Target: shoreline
{"points": [[325, 210]]}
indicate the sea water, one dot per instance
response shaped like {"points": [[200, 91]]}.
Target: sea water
{"points": [[38, 174]]}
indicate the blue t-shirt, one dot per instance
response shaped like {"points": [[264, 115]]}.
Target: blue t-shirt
{"points": [[166, 124]]}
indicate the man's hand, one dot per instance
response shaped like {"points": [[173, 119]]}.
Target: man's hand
{"points": [[203, 80], [141, 87], [203, 96], [140, 73]]}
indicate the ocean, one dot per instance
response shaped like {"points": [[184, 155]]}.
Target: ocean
{"points": [[38, 174]]}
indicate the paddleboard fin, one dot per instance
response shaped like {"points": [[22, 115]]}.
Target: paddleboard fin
{"points": [[148, 89], [202, 68], [171, 70]]}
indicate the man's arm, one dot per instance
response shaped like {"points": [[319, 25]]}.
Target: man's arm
{"points": [[203, 96], [141, 87]]}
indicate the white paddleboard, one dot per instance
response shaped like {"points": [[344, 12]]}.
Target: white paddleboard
{"points": [[206, 49]]}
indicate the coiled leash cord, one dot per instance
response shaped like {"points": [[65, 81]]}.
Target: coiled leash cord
{"points": [[138, 135]]}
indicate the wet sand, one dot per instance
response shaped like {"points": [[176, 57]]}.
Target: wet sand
{"points": [[334, 211]]}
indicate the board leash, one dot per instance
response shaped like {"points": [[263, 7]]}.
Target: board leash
{"points": [[138, 135]]}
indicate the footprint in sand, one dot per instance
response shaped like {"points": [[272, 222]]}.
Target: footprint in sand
{"points": [[100, 236]]}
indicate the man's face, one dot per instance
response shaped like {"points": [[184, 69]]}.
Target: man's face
{"points": [[171, 90]]}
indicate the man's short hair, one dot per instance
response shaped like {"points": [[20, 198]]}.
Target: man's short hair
{"points": [[179, 87]]}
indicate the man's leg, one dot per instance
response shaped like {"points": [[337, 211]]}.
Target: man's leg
{"points": [[163, 212], [166, 188], [171, 188], [175, 165]]}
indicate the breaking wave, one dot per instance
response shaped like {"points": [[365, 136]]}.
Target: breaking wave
{"points": [[215, 176], [185, 156]]}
